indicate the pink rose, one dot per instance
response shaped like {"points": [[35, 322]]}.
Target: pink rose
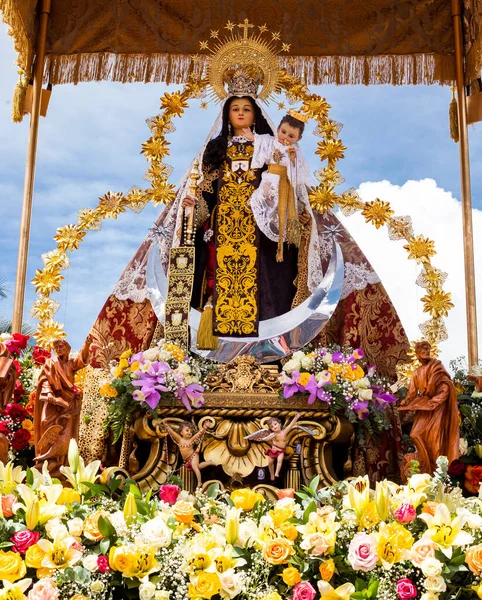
{"points": [[44, 589], [362, 552], [405, 514], [169, 493], [304, 591], [22, 540], [103, 563], [7, 503], [406, 589]]}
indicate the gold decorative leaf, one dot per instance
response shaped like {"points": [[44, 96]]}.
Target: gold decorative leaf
{"points": [[420, 249], [69, 237], [47, 281], [174, 103], [322, 198], [377, 212], [47, 332], [437, 302], [112, 204], [331, 150], [156, 148]]}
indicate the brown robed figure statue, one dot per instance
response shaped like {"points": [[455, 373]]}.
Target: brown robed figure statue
{"points": [[57, 405], [431, 394]]}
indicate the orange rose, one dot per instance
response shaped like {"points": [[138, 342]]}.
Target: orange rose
{"points": [[473, 478], [473, 558], [289, 530], [91, 526], [183, 511], [277, 551], [429, 507], [327, 569], [291, 576]]}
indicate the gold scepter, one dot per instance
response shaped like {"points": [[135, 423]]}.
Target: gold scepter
{"points": [[194, 175]]}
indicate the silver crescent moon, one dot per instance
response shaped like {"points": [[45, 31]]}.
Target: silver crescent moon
{"points": [[279, 336]]}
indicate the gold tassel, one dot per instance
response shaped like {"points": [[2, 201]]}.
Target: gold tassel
{"points": [[18, 101], [293, 227], [206, 340], [283, 198], [453, 118]]}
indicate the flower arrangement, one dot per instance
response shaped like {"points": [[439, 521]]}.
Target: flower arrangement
{"points": [[94, 541], [16, 420], [148, 379], [467, 471], [339, 378]]}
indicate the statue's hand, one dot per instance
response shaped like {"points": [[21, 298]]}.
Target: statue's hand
{"points": [[248, 134], [304, 218], [188, 202], [62, 403]]}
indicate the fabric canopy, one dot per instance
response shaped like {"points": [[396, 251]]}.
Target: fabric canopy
{"points": [[332, 41]]}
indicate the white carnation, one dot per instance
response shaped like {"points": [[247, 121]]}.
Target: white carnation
{"points": [[147, 590], [90, 562], [431, 567]]}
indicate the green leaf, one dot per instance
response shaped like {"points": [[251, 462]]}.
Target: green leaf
{"points": [[373, 588], [133, 489], [104, 545], [314, 483], [308, 510], [29, 478], [360, 584], [358, 596], [213, 490], [6, 544], [69, 573], [106, 528]]}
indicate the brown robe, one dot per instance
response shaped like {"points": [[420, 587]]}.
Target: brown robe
{"points": [[8, 376], [60, 423], [435, 430]]}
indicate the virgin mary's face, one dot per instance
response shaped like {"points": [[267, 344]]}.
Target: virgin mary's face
{"points": [[241, 114]]}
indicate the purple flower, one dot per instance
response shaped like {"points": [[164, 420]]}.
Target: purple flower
{"points": [[315, 388], [371, 370], [337, 356], [383, 399], [152, 382], [361, 409], [290, 384], [191, 394]]}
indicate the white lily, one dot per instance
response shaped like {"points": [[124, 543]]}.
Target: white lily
{"points": [[10, 477], [343, 592], [77, 473], [15, 590], [445, 531]]}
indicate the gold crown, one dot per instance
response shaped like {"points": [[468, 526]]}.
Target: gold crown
{"points": [[297, 115], [244, 81]]}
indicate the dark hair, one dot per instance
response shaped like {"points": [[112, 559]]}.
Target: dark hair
{"points": [[184, 424], [293, 122], [215, 152]]}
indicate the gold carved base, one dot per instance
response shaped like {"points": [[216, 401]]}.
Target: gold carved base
{"points": [[242, 398]]}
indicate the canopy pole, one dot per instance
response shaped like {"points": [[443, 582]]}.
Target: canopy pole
{"points": [[468, 233], [22, 259]]}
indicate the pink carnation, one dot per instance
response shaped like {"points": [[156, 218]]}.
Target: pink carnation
{"points": [[304, 591], [362, 552], [103, 563], [169, 493], [405, 514], [44, 589], [406, 589]]}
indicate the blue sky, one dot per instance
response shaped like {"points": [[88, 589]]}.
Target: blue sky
{"points": [[90, 143]]}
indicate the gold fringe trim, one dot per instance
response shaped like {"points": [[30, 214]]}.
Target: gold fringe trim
{"points": [[454, 120], [176, 68], [16, 29], [474, 61]]}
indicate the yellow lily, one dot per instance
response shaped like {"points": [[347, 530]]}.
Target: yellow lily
{"points": [[10, 477], [382, 499], [393, 541], [223, 559], [14, 591], [130, 508], [343, 592], [417, 488], [60, 553], [46, 498], [232, 525], [77, 473], [358, 495], [445, 531]]}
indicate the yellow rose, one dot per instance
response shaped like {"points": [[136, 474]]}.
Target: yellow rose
{"points": [[291, 576], [473, 558], [135, 365], [91, 526], [68, 495], [282, 513], [304, 378], [27, 424], [277, 551], [245, 498], [289, 530], [327, 569], [183, 511], [12, 566], [204, 585], [120, 558], [334, 370], [478, 590], [34, 556], [126, 354], [369, 517]]}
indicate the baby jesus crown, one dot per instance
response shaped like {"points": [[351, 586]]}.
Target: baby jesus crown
{"points": [[297, 115]]}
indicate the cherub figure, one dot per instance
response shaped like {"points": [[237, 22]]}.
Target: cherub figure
{"points": [[277, 435], [185, 438]]}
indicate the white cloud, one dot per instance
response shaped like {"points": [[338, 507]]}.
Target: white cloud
{"points": [[436, 214]]}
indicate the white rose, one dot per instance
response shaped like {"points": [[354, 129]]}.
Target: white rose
{"points": [[6, 336], [96, 587], [55, 528], [292, 365], [364, 382], [90, 562], [431, 567], [184, 368], [327, 358], [463, 446], [156, 532], [118, 522], [147, 590], [151, 353], [429, 596], [307, 362], [365, 394], [162, 595], [435, 584], [75, 526], [247, 534], [298, 355], [231, 583]]}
